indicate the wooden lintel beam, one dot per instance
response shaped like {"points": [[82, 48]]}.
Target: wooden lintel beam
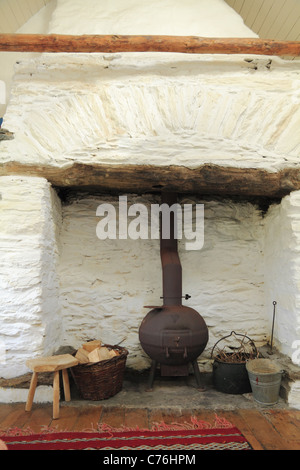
{"points": [[206, 179], [117, 43]]}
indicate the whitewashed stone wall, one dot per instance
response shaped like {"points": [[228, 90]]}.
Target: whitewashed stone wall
{"points": [[29, 322], [282, 281], [282, 272], [163, 109], [157, 110]]}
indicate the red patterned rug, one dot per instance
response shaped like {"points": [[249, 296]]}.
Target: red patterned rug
{"points": [[192, 436]]}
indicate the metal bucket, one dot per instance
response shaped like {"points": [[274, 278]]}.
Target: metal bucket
{"points": [[230, 377], [265, 380], [229, 366]]}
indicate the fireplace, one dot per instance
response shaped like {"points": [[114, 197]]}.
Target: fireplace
{"points": [[218, 130]]}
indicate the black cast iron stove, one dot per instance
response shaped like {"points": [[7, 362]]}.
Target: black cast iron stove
{"points": [[173, 335]]}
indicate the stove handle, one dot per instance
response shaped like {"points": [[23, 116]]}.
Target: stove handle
{"points": [[184, 353]]}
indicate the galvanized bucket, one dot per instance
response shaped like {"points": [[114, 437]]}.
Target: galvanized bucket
{"points": [[265, 380]]}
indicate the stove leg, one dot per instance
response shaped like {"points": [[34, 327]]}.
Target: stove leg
{"points": [[151, 376], [197, 376]]}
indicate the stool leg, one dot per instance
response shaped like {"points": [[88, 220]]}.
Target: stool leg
{"points": [[56, 395], [33, 384], [66, 384]]}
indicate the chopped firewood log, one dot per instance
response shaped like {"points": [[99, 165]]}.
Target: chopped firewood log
{"points": [[101, 354], [104, 354], [92, 352], [82, 356], [113, 353], [91, 345], [94, 355]]}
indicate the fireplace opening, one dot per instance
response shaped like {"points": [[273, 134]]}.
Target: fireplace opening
{"points": [[104, 285], [98, 288]]}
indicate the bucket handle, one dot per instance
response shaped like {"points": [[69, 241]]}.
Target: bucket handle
{"points": [[236, 334]]}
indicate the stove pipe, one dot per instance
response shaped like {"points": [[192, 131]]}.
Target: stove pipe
{"points": [[172, 335], [171, 266]]}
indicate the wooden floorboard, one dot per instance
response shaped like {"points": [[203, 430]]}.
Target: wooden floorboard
{"points": [[264, 429], [240, 421], [287, 425], [88, 419], [39, 418], [264, 432]]}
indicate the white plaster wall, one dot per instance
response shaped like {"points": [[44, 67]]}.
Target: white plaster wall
{"points": [[166, 17], [282, 272], [29, 290], [105, 284]]}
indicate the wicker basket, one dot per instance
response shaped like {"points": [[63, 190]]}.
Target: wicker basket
{"points": [[101, 380]]}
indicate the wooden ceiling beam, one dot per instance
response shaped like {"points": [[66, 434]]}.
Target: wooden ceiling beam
{"points": [[119, 43]]}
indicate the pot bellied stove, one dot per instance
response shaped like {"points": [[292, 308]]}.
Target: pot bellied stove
{"points": [[173, 335]]}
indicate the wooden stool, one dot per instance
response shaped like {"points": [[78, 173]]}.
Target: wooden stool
{"points": [[51, 364]]}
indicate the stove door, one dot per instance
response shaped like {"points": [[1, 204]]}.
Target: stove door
{"points": [[175, 344]]}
